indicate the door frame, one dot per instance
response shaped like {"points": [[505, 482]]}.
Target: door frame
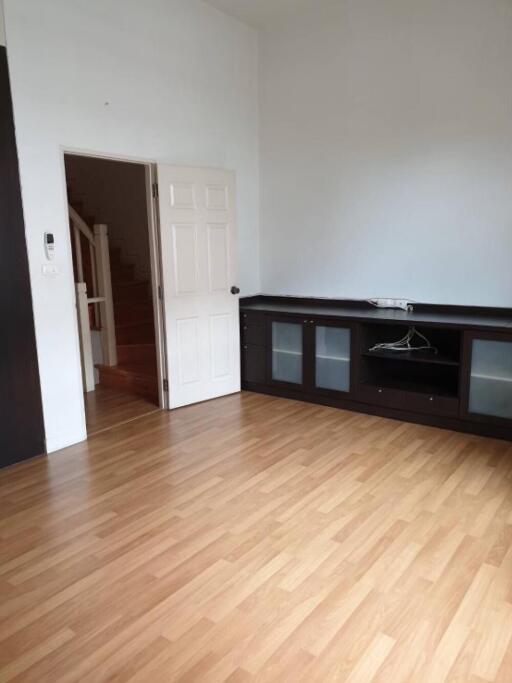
{"points": [[157, 285], [150, 167]]}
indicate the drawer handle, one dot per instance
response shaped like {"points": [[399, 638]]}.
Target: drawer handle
{"points": [[431, 398], [245, 346], [380, 391], [245, 327]]}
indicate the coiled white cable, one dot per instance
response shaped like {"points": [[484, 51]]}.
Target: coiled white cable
{"points": [[404, 344]]}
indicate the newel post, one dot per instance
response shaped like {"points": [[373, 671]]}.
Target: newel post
{"points": [[108, 330], [84, 329]]}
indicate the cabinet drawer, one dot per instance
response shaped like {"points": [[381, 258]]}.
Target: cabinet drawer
{"points": [[252, 326], [410, 401], [254, 363]]}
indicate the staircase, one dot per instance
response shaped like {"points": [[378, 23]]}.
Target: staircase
{"points": [[136, 370]]}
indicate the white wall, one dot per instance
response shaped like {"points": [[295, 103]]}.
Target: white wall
{"points": [[168, 80], [386, 152]]}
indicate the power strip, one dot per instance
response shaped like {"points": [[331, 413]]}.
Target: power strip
{"points": [[402, 304]]}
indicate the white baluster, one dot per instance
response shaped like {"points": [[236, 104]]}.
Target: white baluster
{"points": [[92, 256], [108, 330], [84, 329], [78, 250]]}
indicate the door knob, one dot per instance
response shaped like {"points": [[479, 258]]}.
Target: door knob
{"points": [[235, 290]]}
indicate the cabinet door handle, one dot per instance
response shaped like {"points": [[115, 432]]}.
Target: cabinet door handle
{"points": [[245, 327], [245, 346], [312, 322], [431, 398], [380, 391]]}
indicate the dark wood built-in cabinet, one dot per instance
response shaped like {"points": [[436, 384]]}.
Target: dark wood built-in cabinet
{"points": [[310, 354], [253, 339], [324, 352]]}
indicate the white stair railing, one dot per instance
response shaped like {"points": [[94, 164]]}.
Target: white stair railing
{"points": [[84, 329], [102, 295], [108, 330]]}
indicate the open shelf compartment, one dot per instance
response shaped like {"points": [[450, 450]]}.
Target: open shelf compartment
{"points": [[422, 371]]}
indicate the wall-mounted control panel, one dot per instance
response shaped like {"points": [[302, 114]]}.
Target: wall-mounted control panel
{"points": [[49, 245]]}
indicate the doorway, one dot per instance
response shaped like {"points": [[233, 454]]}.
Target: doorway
{"points": [[117, 273]]}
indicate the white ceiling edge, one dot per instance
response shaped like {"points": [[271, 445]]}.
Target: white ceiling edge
{"points": [[264, 13]]}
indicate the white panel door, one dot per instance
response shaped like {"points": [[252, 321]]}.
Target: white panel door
{"points": [[198, 239]]}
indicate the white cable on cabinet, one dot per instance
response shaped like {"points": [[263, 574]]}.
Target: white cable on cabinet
{"points": [[404, 344]]}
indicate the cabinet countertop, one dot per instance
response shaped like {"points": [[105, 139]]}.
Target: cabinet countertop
{"points": [[384, 315]]}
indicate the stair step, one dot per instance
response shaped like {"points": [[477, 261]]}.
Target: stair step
{"points": [[130, 291], [134, 378], [115, 255], [122, 273], [127, 312], [139, 332], [136, 353]]}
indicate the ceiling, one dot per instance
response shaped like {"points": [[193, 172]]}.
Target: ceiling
{"points": [[260, 13]]}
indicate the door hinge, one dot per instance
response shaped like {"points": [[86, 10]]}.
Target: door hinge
{"points": [[155, 190], [166, 385]]}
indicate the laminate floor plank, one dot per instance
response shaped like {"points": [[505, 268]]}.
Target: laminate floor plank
{"points": [[254, 538]]}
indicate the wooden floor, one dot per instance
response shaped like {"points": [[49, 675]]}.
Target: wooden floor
{"points": [[106, 408], [259, 539]]}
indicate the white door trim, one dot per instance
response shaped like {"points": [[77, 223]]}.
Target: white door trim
{"points": [[157, 288], [155, 254]]}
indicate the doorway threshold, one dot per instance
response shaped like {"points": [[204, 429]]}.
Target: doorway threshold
{"points": [[107, 408]]}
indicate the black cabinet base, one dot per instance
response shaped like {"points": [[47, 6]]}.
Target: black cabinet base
{"points": [[454, 424]]}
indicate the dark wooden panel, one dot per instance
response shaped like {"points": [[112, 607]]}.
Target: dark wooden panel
{"points": [[253, 332], [254, 363], [419, 389], [255, 318], [359, 311], [21, 418], [409, 400], [501, 313]]}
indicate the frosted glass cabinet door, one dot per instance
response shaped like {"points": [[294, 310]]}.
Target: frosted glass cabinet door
{"points": [[332, 358], [490, 388], [287, 352]]}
